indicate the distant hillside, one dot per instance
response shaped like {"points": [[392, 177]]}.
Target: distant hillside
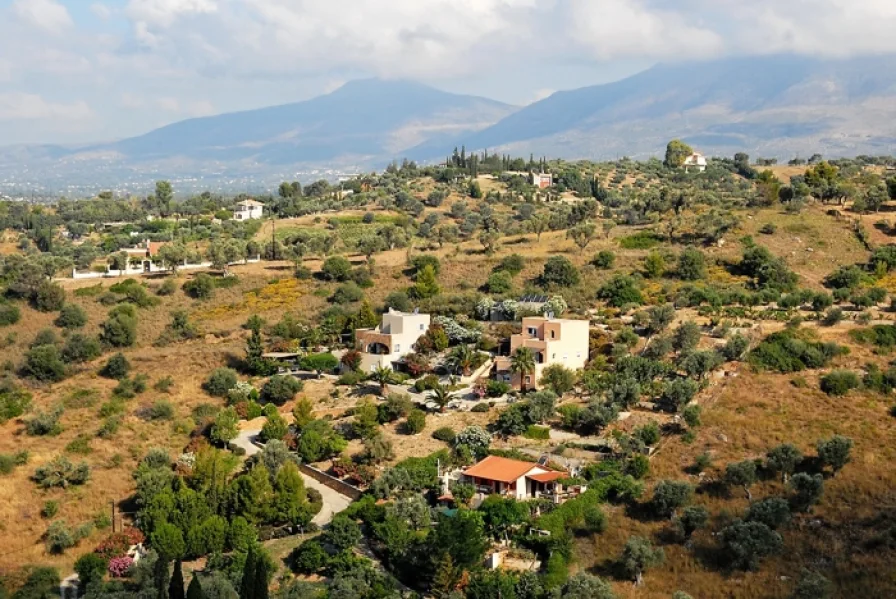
{"points": [[364, 123], [776, 105], [363, 120]]}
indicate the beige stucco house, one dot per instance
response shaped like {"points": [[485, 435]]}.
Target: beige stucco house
{"points": [[392, 340], [552, 341]]}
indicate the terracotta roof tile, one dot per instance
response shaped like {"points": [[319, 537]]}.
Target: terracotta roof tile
{"points": [[500, 469]]}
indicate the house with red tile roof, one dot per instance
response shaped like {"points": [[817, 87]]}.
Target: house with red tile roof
{"points": [[517, 479]]}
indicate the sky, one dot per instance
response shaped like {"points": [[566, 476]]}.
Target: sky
{"points": [[78, 71]]}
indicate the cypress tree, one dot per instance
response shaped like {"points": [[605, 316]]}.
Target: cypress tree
{"points": [[176, 586], [194, 591], [261, 579], [247, 585]]}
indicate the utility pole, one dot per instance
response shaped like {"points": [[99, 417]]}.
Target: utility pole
{"points": [[113, 515]]}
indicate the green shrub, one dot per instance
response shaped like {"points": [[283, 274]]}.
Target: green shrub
{"points": [[336, 268], [879, 335], [79, 348], [280, 389], [500, 282], [619, 291], [445, 433], [9, 314], [72, 316], [164, 384], [79, 445], [537, 432], [496, 388], [109, 428], [604, 260], [840, 382], [44, 423], [159, 410], [44, 363], [50, 509], [117, 367], [60, 472], [642, 240], [347, 293], [480, 408], [415, 422], [120, 328], [201, 287], [49, 297], [220, 381], [792, 350], [168, 287]]}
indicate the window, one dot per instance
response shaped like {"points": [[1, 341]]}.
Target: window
{"points": [[528, 379], [553, 334], [397, 348], [578, 354], [553, 356], [533, 331], [565, 358], [421, 326]]}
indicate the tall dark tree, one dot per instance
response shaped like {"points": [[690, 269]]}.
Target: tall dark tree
{"points": [[261, 579], [194, 591], [176, 586], [248, 584]]}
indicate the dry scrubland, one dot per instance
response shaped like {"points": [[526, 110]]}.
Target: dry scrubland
{"points": [[743, 416]]}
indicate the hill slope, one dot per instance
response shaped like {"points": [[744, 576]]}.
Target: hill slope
{"points": [[771, 105], [361, 120]]}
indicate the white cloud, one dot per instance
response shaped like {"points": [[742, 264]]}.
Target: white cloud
{"points": [[612, 29], [22, 106], [48, 15], [164, 12], [176, 55], [101, 11]]}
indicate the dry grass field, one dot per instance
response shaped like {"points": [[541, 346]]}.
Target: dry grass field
{"points": [[847, 536]]}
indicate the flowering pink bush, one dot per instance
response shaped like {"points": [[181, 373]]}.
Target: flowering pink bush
{"points": [[120, 566]]}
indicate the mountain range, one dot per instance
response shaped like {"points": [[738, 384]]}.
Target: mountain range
{"points": [[770, 106]]}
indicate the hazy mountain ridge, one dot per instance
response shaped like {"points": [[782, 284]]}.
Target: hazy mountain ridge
{"points": [[777, 105], [771, 106]]}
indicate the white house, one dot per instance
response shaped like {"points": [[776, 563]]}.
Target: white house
{"points": [[392, 340], [248, 210], [542, 180], [696, 161], [518, 480]]}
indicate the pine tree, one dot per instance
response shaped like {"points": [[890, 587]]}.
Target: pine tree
{"points": [[426, 285], [366, 317], [255, 354], [247, 585], [176, 586], [261, 579], [445, 579], [194, 591]]}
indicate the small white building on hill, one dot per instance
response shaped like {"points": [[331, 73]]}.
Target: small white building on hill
{"points": [[248, 210], [695, 161]]}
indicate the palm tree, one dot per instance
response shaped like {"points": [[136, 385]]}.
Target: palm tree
{"points": [[522, 362], [383, 376], [441, 396], [461, 359]]}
